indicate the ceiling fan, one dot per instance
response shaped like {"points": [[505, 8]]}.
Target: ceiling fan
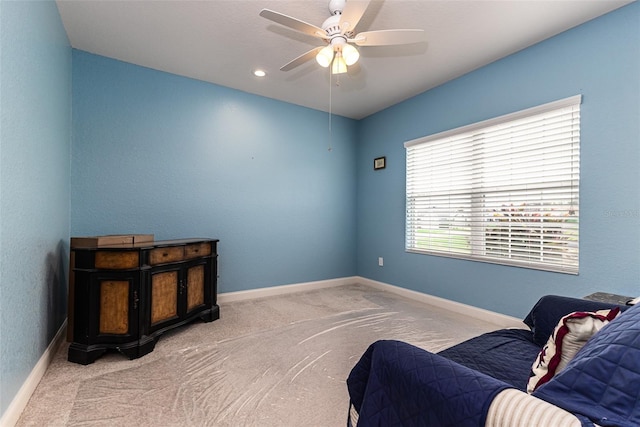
{"points": [[337, 32]]}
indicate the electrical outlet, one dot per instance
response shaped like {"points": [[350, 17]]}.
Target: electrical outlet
{"points": [[380, 261]]}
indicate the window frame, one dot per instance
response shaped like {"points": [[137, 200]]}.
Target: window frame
{"points": [[474, 212]]}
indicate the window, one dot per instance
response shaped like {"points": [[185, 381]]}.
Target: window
{"points": [[504, 190]]}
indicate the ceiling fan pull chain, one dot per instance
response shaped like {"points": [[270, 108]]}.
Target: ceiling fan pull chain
{"points": [[330, 131]]}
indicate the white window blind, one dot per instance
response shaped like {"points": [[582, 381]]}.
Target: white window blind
{"points": [[505, 190]]}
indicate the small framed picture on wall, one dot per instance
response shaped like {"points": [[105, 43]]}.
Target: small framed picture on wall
{"points": [[379, 163]]}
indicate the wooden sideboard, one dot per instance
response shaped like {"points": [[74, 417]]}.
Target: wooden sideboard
{"points": [[125, 295]]}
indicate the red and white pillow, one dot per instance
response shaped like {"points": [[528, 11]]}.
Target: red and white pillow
{"points": [[570, 335]]}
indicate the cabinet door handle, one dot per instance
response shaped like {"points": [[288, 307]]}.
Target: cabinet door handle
{"points": [[135, 300], [181, 286]]}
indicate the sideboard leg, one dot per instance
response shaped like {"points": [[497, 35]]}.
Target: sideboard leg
{"points": [[83, 354], [210, 315]]}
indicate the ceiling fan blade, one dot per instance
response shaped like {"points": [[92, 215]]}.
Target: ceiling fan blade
{"points": [[301, 59], [351, 14], [296, 24], [388, 37]]}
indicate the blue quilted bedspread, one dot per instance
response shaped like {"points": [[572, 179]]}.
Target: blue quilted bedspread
{"points": [[602, 381], [397, 384], [506, 355]]}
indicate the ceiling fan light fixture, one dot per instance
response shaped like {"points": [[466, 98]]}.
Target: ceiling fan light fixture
{"points": [[350, 54], [325, 56], [338, 31], [339, 65]]}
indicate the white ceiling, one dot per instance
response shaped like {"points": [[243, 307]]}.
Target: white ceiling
{"points": [[223, 41]]}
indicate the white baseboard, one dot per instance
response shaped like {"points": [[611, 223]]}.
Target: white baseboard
{"points": [[501, 320], [498, 319], [285, 289], [19, 402]]}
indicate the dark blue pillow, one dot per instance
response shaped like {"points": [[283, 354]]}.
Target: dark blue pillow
{"points": [[602, 381], [545, 315]]}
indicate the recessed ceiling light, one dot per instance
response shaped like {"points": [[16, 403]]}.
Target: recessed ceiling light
{"points": [[259, 73]]}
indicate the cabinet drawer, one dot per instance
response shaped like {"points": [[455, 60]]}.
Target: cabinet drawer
{"points": [[197, 250], [116, 260], [168, 254]]}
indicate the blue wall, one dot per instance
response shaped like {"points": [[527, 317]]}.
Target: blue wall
{"points": [[157, 153], [601, 60], [35, 136]]}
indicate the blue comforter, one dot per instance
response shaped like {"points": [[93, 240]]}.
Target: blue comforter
{"points": [[602, 381], [397, 384], [506, 355]]}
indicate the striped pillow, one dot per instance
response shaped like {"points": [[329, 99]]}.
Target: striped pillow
{"points": [[570, 335]]}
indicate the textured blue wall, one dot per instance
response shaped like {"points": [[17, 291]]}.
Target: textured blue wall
{"points": [[601, 60], [161, 154], [157, 153], [35, 136]]}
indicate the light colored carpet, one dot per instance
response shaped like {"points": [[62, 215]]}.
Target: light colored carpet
{"points": [[274, 361]]}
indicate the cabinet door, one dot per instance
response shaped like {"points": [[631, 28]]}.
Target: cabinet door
{"points": [[198, 286], [114, 308], [164, 292]]}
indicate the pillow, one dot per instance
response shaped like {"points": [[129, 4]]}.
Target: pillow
{"points": [[601, 382], [547, 312], [570, 335]]}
